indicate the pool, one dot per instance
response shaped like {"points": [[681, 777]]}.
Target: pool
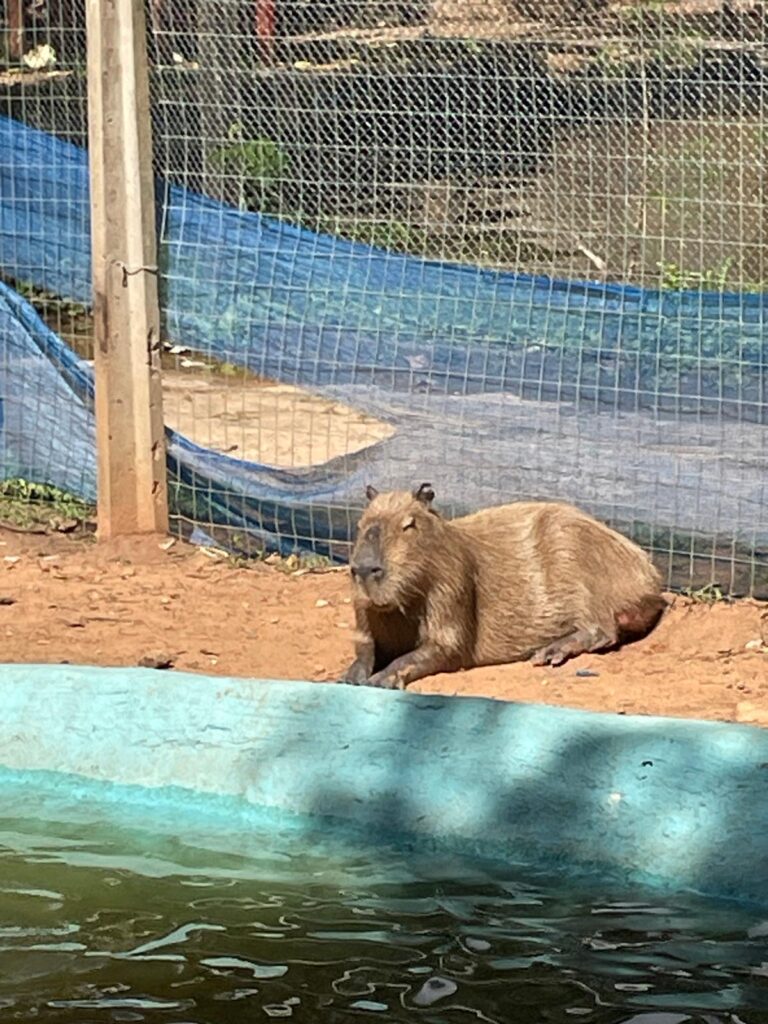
{"points": [[196, 850], [110, 916], [675, 804]]}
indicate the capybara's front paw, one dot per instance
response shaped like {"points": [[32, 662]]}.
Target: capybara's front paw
{"points": [[386, 681], [356, 675]]}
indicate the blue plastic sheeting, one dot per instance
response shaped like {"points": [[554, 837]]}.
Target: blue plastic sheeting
{"points": [[639, 405], [665, 801], [47, 434]]}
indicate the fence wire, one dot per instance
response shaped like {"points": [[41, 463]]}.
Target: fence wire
{"points": [[595, 169]]}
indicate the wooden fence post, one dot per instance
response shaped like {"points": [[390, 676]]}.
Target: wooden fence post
{"points": [[15, 22], [132, 489]]}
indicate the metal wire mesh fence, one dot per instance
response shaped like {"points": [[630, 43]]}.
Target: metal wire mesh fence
{"points": [[42, 84], [514, 248]]}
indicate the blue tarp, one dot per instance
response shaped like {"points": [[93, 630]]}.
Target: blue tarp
{"points": [[641, 405]]}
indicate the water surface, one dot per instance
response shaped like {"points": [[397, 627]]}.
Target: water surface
{"points": [[101, 920]]}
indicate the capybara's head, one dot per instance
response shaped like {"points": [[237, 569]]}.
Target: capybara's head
{"points": [[398, 534]]}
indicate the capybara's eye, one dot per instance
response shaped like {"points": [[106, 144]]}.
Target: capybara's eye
{"points": [[409, 523]]}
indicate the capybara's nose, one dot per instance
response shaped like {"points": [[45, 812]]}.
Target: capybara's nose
{"points": [[366, 570]]}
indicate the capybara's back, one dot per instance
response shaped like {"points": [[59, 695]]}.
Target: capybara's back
{"points": [[550, 576]]}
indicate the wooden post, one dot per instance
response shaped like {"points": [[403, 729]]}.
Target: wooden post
{"points": [[129, 416], [265, 29], [15, 14]]}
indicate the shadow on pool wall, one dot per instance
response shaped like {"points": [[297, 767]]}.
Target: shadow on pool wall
{"points": [[674, 804]]}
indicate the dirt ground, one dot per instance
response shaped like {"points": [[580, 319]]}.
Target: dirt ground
{"points": [[69, 599], [261, 421]]}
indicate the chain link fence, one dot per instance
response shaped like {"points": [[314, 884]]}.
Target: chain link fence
{"points": [[515, 248]]}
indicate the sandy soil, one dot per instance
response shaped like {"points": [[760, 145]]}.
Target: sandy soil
{"points": [[68, 599], [264, 422]]}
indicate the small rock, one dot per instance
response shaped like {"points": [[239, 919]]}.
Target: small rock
{"points": [[586, 673], [321, 603], [166, 545], [754, 645], [749, 712], [5, 602], [158, 661], [66, 525], [12, 559]]}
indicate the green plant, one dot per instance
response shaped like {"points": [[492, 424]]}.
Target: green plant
{"points": [[633, 11], [46, 302], [613, 60], [27, 505], [714, 279], [712, 593], [680, 52], [258, 165]]}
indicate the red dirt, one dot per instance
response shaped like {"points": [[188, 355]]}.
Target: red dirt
{"points": [[116, 604]]}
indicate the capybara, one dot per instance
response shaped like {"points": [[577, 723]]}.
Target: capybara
{"points": [[532, 579]]}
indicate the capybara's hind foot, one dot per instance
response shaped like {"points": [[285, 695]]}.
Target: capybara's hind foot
{"points": [[581, 641]]}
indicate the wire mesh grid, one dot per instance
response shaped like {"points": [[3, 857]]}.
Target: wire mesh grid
{"points": [[536, 146], [43, 85]]}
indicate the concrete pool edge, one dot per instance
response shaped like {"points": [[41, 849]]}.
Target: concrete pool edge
{"points": [[678, 803]]}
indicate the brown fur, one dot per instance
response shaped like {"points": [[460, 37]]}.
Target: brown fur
{"points": [[528, 580]]}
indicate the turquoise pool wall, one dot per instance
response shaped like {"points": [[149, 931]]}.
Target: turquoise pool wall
{"points": [[676, 803]]}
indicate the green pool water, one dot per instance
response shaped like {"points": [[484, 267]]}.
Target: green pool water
{"points": [[106, 921]]}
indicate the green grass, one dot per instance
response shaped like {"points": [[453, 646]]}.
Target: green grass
{"points": [[712, 593], [713, 279], [31, 507], [291, 565]]}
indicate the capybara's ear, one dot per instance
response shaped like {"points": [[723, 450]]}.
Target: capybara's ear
{"points": [[424, 494], [370, 492]]}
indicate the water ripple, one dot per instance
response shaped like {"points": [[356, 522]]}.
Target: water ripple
{"points": [[304, 932]]}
